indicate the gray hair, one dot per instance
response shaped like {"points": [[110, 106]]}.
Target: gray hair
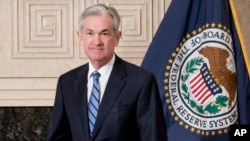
{"points": [[98, 10]]}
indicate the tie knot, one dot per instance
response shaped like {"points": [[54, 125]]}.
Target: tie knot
{"points": [[96, 75]]}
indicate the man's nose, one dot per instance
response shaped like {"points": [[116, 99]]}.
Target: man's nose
{"points": [[97, 39]]}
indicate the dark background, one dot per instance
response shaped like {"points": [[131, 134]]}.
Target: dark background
{"points": [[24, 123]]}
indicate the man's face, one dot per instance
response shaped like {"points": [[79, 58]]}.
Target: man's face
{"points": [[99, 39]]}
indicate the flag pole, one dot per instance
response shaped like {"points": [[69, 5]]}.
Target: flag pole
{"points": [[237, 25]]}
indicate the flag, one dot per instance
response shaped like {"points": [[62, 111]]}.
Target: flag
{"points": [[202, 85], [199, 60]]}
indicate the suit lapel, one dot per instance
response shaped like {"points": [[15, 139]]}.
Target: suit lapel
{"points": [[81, 95], [113, 89]]}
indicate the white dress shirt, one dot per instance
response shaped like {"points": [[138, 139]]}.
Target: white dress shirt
{"points": [[103, 79]]}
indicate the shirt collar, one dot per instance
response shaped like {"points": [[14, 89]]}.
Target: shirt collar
{"points": [[106, 69]]}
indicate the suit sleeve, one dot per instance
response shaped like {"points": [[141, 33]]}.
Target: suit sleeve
{"points": [[59, 125], [150, 116]]}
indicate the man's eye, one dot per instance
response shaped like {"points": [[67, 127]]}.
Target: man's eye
{"points": [[89, 33], [105, 34]]}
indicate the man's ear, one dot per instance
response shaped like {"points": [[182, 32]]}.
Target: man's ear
{"points": [[79, 34], [118, 35]]}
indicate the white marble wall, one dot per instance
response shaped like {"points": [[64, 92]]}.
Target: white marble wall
{"points": [[38, 42]]}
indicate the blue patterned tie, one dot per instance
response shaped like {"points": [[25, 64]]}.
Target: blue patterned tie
{"points": [[94, 101]]}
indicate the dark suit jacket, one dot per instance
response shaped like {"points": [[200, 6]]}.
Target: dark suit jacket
{"points": [[130, 109]]}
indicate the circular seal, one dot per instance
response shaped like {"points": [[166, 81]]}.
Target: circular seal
{"points": [[200, 82]]}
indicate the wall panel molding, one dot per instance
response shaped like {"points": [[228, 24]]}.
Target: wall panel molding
{"points": [[27, 91], [39, 42], [42, 29]]}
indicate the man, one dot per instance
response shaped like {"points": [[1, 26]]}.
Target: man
{"points": [[129, 106]]}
